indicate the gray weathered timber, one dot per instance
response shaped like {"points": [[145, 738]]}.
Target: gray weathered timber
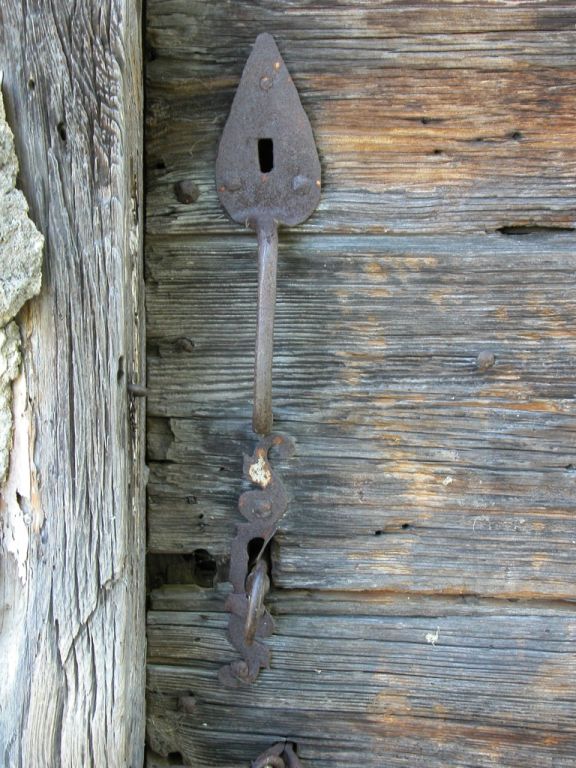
{"points": [[429, 117], [424, 365], [415, 468], [378, 680], [73, 631]]}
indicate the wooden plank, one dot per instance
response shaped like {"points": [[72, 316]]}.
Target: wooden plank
{"points": [[337, 22], [420, 467], [429, 118], [365, 316], [72, 635], [191, 598], [416, 469], [407, 682]]}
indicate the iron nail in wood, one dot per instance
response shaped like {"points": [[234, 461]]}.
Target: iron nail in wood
{"points": [[267, 174]]}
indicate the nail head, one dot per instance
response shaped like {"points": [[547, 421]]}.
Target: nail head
{"points": [[186, 192], [266, 83], [301, 184], [485, 360]]}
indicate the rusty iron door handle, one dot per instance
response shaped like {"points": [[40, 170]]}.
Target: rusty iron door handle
{"points": [[267, 174], [267, 268]]}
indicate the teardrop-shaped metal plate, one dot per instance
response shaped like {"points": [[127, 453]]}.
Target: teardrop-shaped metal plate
{"points": [[268, 167]]}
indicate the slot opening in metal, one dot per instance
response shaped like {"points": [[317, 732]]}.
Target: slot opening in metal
{"points": [[266, 155]]}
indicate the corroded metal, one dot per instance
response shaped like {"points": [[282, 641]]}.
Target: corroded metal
{"points": [[281, 755], [267, 174], [250, 622]]}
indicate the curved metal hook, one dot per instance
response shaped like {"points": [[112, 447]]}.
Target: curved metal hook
{"points": [[257, 587]]}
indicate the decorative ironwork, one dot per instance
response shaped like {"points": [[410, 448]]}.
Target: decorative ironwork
{"points": [[250, 620]]}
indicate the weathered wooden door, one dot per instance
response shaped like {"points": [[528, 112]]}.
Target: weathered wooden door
{"points": [[424, 575]]}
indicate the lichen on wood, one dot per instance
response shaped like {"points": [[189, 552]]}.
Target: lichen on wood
{"points": [[21, 247], [9, 367], [72, 637]]}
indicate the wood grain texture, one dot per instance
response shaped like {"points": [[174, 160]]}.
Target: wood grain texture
{"points": [[75, 628], [423, 364], [415, 469], [429, 117], [380, 681]]}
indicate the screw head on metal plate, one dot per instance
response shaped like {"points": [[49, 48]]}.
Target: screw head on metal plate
{"points": [[267, 168]]}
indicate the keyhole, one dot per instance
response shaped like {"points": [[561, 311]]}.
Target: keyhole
{"points": [[266, 155], [255, 547]]}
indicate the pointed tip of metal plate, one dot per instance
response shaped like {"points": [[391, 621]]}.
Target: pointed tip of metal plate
{"points": [[263, 41], [267, 166]]}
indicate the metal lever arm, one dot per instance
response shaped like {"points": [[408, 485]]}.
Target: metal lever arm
{"points": [[267, 268]]}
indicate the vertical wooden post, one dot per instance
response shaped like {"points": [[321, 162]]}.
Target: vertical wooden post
{"points": [[73, 627]]}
